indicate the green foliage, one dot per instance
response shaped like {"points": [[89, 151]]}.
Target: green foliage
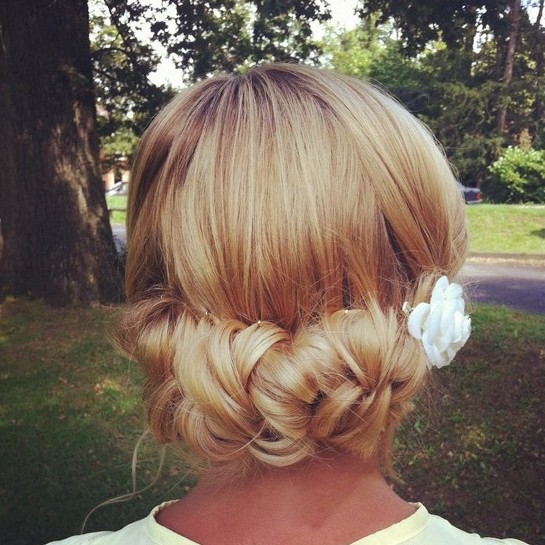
{"points": [[461, 49], [126, 99], [403, 77], [519, 176], [460, 113], [229, 35], [462, 117], [423, 21], [349, 52], [354, 52], [369, 52], [122, 143]]}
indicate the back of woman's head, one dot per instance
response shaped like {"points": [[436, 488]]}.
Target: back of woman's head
{"points": [[277, 222]]}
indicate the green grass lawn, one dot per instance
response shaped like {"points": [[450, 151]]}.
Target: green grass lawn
{"points": [[503, 228], [117, 202], [70, 415], [507, 228]]}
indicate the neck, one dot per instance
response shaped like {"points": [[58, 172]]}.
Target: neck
{"points": [[336, 494], [329, 472]]}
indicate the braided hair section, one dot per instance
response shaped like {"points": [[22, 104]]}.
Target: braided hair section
{"points": [[244, 395]]}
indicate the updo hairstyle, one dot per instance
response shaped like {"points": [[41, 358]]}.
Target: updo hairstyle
{"points": [[277, 221]]}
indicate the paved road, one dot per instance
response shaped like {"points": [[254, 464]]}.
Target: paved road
{"points": [[120, 237], [518, 284]]}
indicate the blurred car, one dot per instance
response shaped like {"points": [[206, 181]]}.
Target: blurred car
{"points": [[120, 188], [472, 195]]}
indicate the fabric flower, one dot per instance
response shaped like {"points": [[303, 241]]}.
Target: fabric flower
{"points": [[441, 324]]}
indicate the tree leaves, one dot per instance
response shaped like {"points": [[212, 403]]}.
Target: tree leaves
{"points": [[423, 21], [229, 35]]}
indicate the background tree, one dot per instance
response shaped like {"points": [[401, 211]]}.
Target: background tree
{"points": [[508, 61], [353, 51], [126, 99], [481, 61], [536, 38], [371, 52], [57, 239], [421, 22], [229, 35]]}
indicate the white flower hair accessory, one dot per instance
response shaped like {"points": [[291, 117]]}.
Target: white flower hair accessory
{"points": [[441, 325]]}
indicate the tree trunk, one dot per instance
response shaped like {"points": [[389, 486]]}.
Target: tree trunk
{"points": [[468, 51], [58, 242], [539, 57], [509, 62]]}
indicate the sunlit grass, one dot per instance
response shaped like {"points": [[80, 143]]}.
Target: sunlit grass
{"points": [[507, 228], [117, 204]]}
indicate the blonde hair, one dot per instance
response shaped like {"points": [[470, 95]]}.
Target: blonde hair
{"points": [[277, 222]]}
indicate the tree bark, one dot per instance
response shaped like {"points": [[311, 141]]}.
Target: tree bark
{"points": [[539, 57], [469, 44], [509, 62], [58, 242]]}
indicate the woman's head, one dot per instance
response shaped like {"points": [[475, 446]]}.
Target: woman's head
{"points": [[277, 222]]}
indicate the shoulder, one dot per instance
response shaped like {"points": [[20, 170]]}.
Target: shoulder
{"points": [[133, 534], [440, 530], [421, 528], [142, 532]]}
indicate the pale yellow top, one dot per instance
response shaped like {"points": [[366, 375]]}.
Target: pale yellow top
{"points": [[420, 528]]}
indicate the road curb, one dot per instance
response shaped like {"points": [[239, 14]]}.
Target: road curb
{"points": [[535, 260], [521, 257]]}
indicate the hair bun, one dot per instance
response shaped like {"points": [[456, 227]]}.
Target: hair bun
{"points": [[238, 393]]}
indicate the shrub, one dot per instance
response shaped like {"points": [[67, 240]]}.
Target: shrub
{"points": [[518, 176]]}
